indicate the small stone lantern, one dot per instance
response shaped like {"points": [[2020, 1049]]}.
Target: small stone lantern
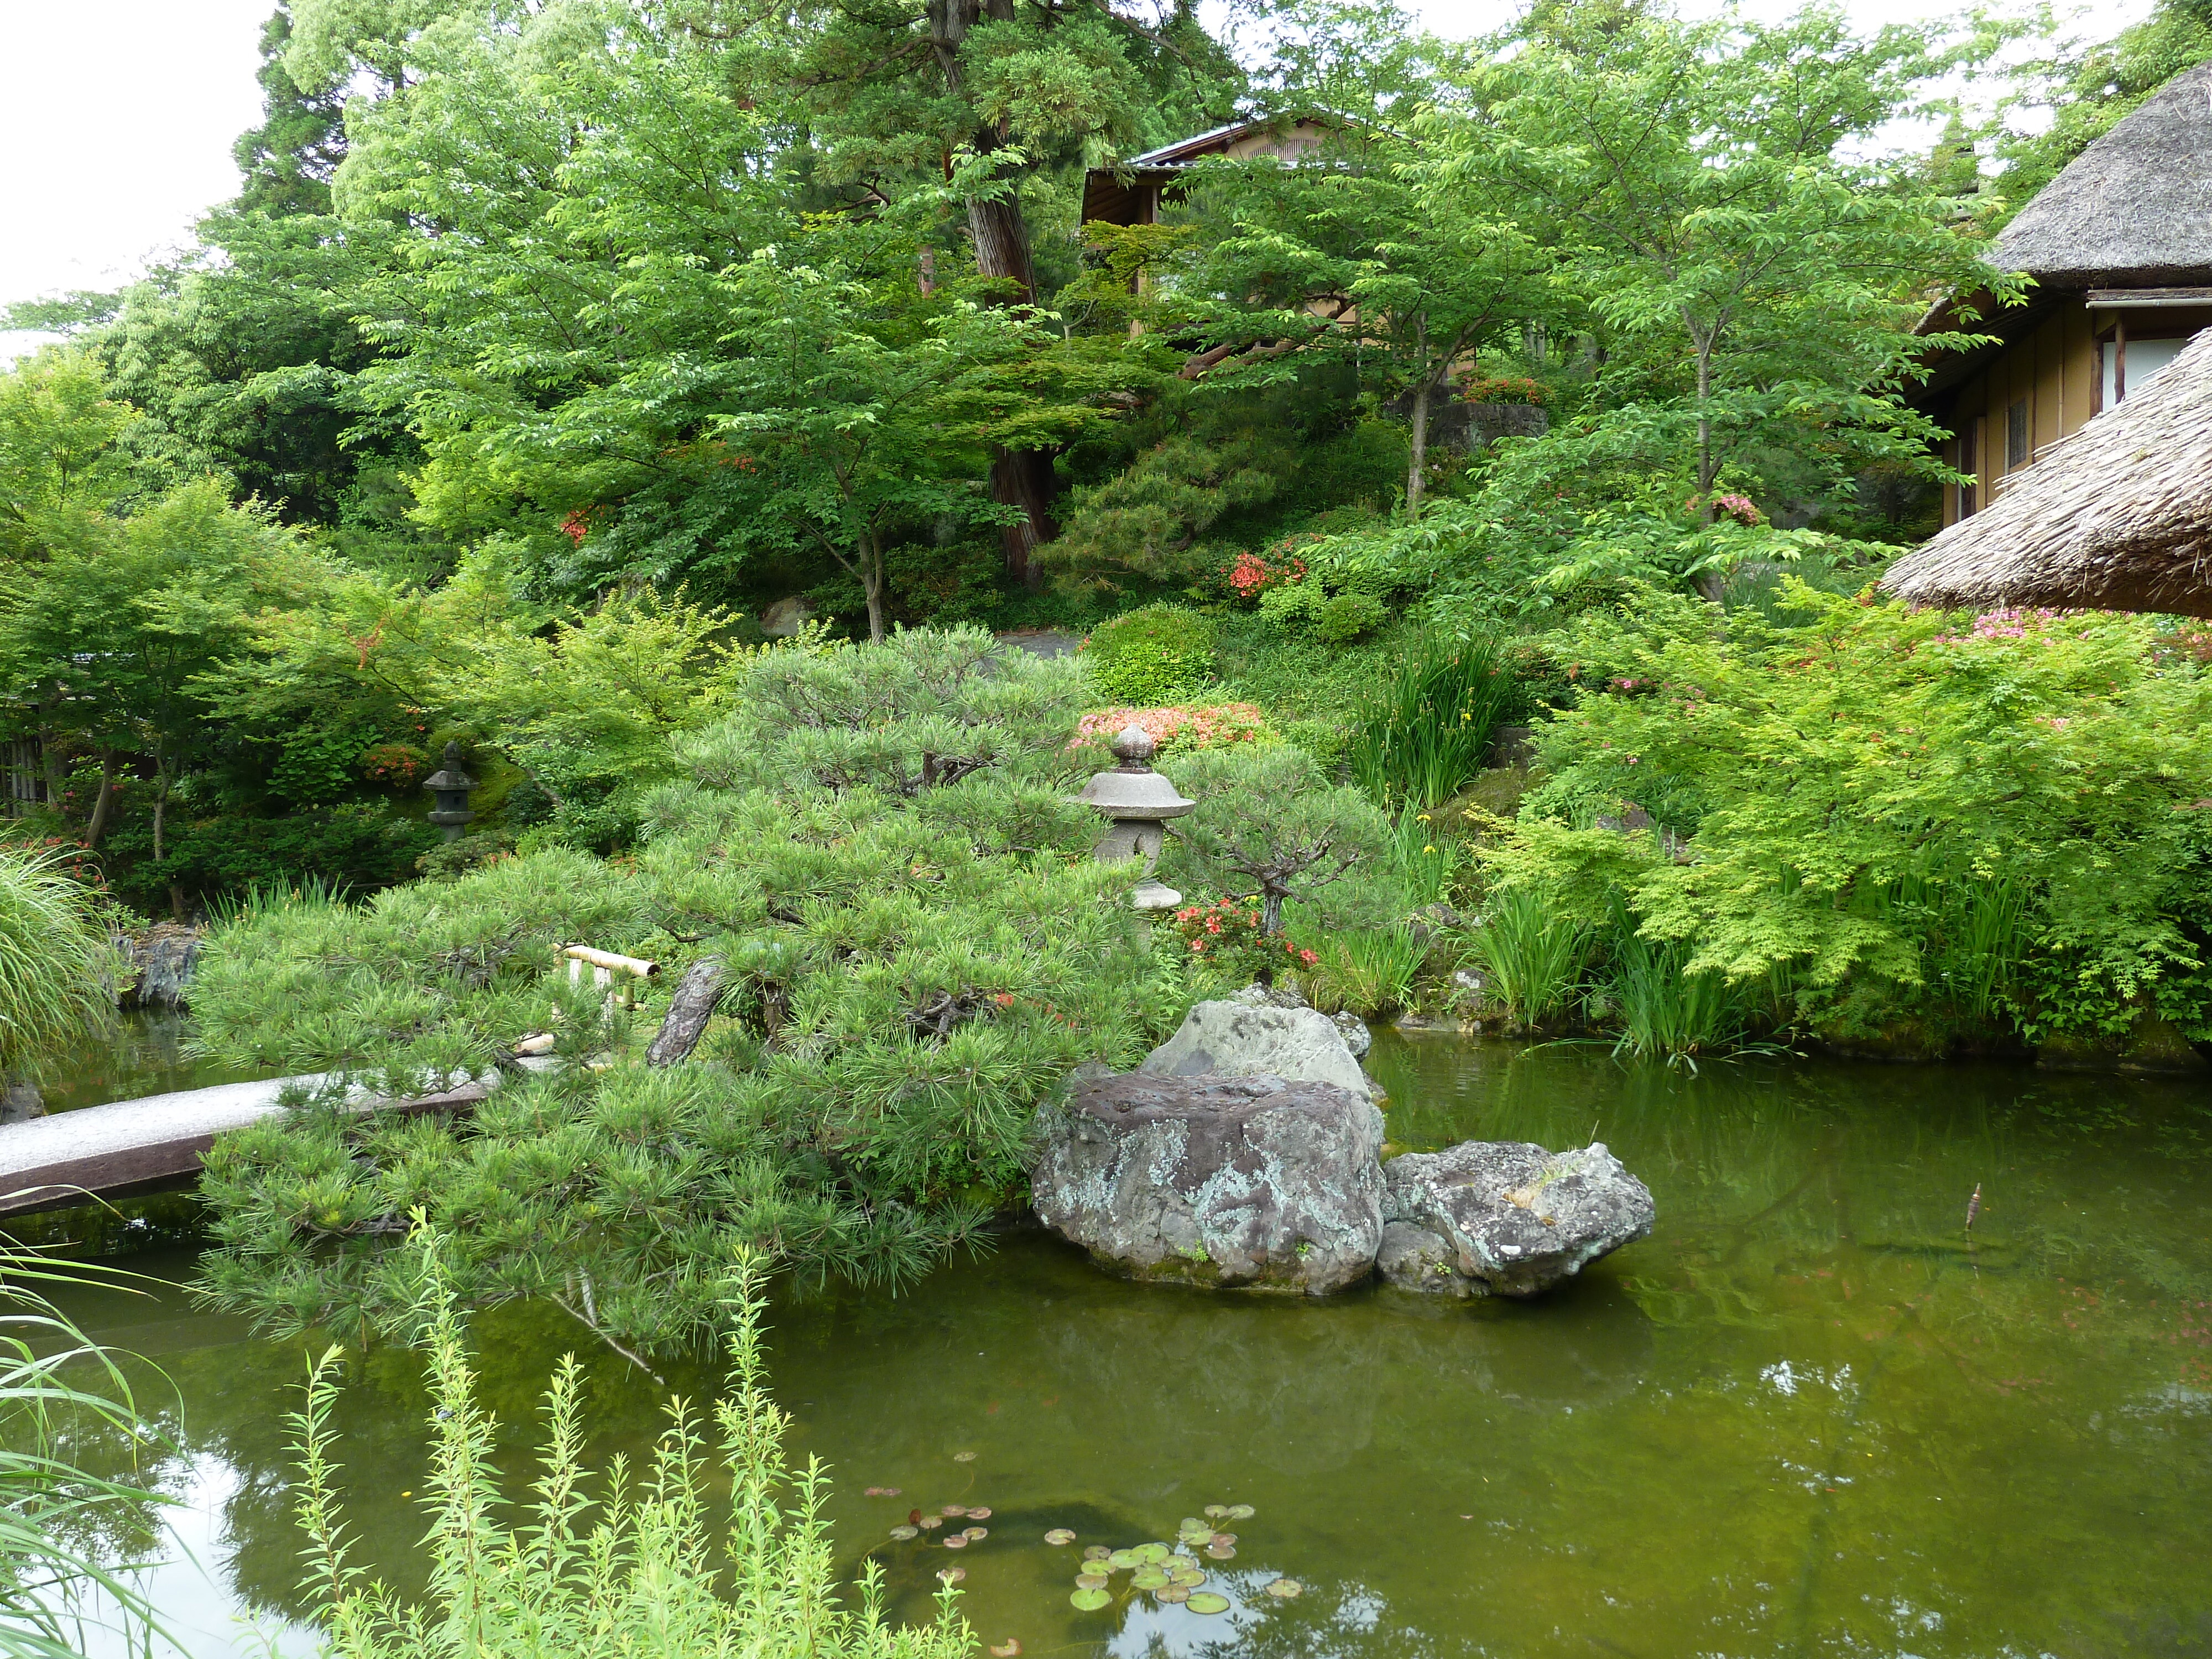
{"points": [[449, 787], [1138, 802]]}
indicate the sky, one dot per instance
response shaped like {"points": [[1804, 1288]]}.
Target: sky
{"points": [[117, 121]]}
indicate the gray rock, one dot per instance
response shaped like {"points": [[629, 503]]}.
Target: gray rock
{"points": [[1356, 1037], [1257, 995], [160, 961], [783, 619], [1235, 1039], [1506, 1217], [1235, 1182], [20, 1101]]}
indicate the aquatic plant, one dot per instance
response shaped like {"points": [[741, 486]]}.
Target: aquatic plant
{"points": [[1534, 955], [632, 1573], [1369, 970], [57, 967], [1426, 732], [62, 1526], [1666, 1010]]}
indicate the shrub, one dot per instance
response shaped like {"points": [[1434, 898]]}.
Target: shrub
{"points": [[1156, 654], [1426, 733], [879, 842], [646, 1576], [1305, 607], [1204, 727], [1226, 935], [1477, 388], [1269, 826]]}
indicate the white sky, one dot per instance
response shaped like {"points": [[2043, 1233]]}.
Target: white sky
{"points": [[116, 120]]}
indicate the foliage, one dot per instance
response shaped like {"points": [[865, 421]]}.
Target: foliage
{"points": [[1225, 936], [644, 1574], [879, 841], [1307, 607], [1157, 653], [1879, 802], [1426, 732], [1267, 825], [1201, 727], [57, 967], [1533, 952], [54, 1383], [1369, 970]]}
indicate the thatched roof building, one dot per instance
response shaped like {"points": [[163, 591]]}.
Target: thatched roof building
{"points": [[2118, 517], [2119, 247]]}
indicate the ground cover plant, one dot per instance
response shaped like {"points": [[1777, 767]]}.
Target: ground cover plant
{"points": [[879, 844]]}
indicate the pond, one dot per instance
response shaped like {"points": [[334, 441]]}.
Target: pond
{"points": [[1812, 1415]]}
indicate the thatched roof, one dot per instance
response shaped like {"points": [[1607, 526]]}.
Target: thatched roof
{"points": [[2133, 210], [2118, 517]]}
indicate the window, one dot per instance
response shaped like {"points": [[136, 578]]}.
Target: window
{"points": [[2017, 434], [2128, 366]]}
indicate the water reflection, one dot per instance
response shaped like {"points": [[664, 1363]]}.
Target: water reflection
{"points": [[1810, 1415]]}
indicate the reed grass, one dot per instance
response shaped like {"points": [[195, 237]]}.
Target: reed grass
{"points": [[1535, 958], [1367, 970], [1666, 1012], [56, 964], [1426, 732]]}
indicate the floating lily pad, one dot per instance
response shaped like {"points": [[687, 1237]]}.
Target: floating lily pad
{"points": [[1122, 1560], [883, 1491], [1192, 1523], [975, 1534], [964, 1457], [1286, 1588], [1096, 1552], [1149, 1578], [1007, 1650], [1173, 1594], [1059, 1535], [1216, 1512], [1222, 1538], [1190, 1577], [951, 1575], [1151, 1552], [957, 1541], [1089, 1601], [906, 1532], [955, 1509], [1240, 1512], [1090, 1581], [1214, 1552], [1207, 1601], [931, 1522], [983, 1514]]}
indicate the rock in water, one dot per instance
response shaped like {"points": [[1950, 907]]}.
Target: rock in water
{"points": [[20, 1101], [160, 961], [1237, 1039], [1251, 1182], [1505, 1218]]}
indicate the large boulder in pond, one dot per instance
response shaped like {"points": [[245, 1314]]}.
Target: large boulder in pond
{"points": [[1242, 1039], [1504, 1218], [159, 965], [1253, 1182]]}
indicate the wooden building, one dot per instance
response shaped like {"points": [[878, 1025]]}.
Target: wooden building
{"points": [[1132, 192], [2119, 245]]}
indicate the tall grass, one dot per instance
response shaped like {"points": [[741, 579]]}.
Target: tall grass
{"points": [[1665, 1011], [1427, 731], [1369, 970], [629, 1575], [53, 1516], [57, 966], [1535, 956]]}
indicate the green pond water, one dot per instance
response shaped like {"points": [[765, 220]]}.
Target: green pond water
{"points": [[1811, 1415]]}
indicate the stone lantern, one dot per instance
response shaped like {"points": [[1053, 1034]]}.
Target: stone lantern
{"points": [[1138, 802], [449, 789]]}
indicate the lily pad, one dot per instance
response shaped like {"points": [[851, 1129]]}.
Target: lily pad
{"points": [[1240, 1512], [931, 1522], [1286, 1588], [1173, 1594], [1090, 1581], [1151, 1552], [1059, 1535], [964, 1457], [906, 1532], [1192, 1523], [951, 1575], [1214, 1552], [956, 1540], [982, 1513], [1124, 1560], [975, 1534], [1190, 1577], [1222, 1538], [1089, 1601], [1007, 1650], [1096, 1552], [1207, 1601], [1149, 1578], [883, 1491], [955, 1509]]}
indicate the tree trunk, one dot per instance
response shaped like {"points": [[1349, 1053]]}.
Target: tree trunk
{"points": [[50, 762], [1000, 237], [161, 807], [1271, 911], [1024, 479], [688, 1013], [1711, 584], [1420, 436], [872, 584], [99, 821]]}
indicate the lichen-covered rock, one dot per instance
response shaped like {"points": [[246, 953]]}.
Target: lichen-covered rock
{"points": [[1505, 1218], [160, 964], [1238, 1181], [1356, 1037], [1238, 1039]]}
